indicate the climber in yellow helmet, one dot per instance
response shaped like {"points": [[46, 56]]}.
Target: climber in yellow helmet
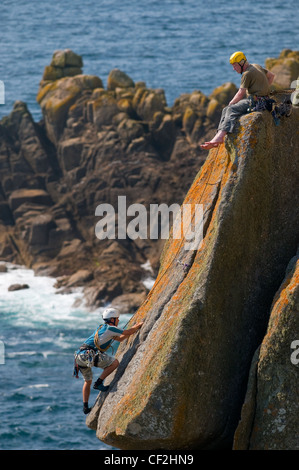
{"points": [[255, 83]]}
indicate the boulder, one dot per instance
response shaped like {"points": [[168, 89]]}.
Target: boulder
{"points": [[224, 93], [79, 278], [128, 303], [40, 227], [3, 268], [66, 58], [104, 108], [33, 158], [57, 97], [119, 79], [63, 64], [15, 287], [52, 73], [189, 119], [164, 135], [285, 67], [149, 102], [69, 153], [129, 129]]}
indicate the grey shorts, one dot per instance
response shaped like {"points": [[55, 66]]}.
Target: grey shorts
{"points": [[86, 361]]}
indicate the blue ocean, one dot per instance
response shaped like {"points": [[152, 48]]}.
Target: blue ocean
{"points": [[40, 399], [177, 45]]}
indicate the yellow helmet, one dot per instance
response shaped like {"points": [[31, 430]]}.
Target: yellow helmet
{"points": [[237, 57]]}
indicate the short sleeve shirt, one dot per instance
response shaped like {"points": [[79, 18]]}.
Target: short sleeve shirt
{"points": [[255, 81], [106, 333]]}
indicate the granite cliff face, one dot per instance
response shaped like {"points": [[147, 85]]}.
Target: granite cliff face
{"points": [[182, 380]]}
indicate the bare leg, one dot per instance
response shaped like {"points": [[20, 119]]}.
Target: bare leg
{"points": [[217, 140], [108, 370], [86, 390]]}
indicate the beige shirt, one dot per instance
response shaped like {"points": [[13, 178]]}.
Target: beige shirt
{"points": [[255, 81]]}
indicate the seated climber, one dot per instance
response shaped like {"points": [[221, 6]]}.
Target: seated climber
{"points": [[92, 353], [255, 85]]}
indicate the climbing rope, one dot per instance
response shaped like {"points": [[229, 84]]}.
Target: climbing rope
{"points": [[185, 266]]}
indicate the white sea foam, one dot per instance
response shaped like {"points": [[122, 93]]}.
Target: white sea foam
{"points": [[41, 304], [32, 386], [149, 280]]}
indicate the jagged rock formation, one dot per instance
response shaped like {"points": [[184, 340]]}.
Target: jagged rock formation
{"points": [[285, 67], [93, 145], [182, 381], [270, 412]]}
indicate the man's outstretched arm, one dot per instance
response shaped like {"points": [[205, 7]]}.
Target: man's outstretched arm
{"points": [[129, 332]]}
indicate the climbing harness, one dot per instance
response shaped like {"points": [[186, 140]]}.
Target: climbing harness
{"points": [[260, 103], [90, 354], [96, 340], [265, 103], [76, 370], [286, 107]]}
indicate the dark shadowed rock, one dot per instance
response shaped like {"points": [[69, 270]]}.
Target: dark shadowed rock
{"points": [[15, 287], [92, 145], [35, 196], [269, 419]]}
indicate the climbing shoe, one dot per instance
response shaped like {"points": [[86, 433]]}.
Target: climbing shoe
{"points": [[99, 385], [86, 409]]}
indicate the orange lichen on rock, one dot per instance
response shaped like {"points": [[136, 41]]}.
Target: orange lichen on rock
{"points": [[202, 324]]}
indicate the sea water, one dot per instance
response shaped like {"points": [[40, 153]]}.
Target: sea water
{"points": [[177, 45], [40, 400]]}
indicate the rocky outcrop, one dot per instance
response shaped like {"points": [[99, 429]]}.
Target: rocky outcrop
{"points": [[269, 419], [285, 67], [182, 381], [94, 144]]}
